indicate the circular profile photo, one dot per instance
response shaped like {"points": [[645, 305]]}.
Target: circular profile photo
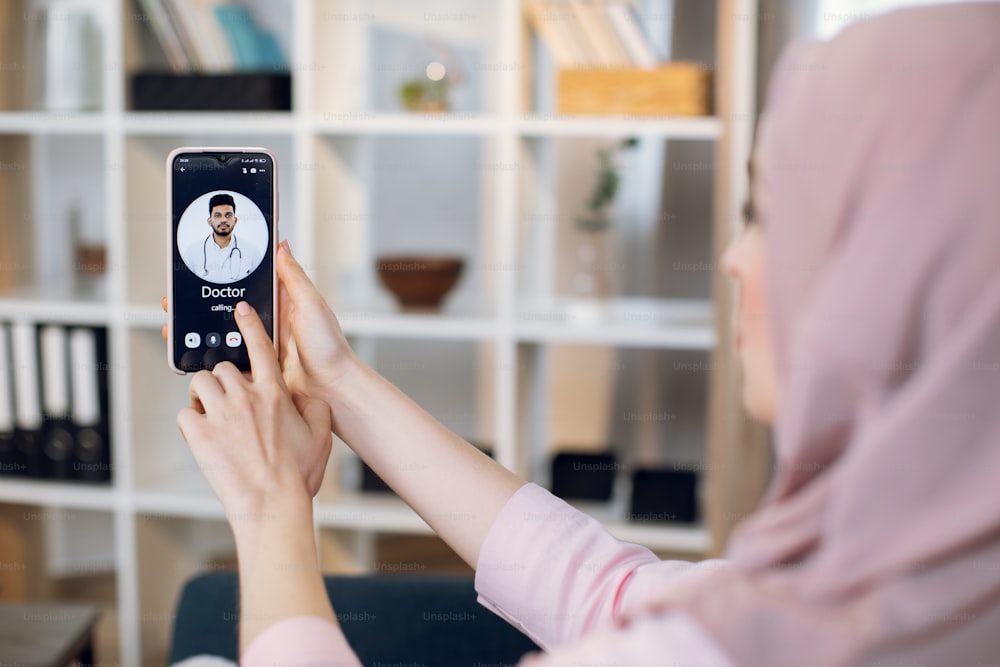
{"points": [[222, 236]]}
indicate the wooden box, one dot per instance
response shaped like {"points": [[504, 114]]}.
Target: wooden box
{"points": [[676, 89]]}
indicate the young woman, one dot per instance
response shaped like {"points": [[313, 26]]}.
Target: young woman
{"points": [[869, 334]]}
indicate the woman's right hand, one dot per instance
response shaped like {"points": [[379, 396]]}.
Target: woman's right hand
{"points": [[313, 351]]}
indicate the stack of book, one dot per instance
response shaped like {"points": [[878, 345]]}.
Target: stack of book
{"points": [[54, 402], [592, 34], [211, 36], [219, 59], [607, 64]]}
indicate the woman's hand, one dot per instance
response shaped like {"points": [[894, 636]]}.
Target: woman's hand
{"points": [[314, 353], [253, 440], [431, 468]]}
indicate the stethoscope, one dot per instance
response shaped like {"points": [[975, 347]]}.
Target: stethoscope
{"points": [[236, 248]]}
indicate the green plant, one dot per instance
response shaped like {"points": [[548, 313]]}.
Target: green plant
{"points": [[422, 94], [606, 188]]}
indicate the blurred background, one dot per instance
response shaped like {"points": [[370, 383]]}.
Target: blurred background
{"points": [[573, 167]]}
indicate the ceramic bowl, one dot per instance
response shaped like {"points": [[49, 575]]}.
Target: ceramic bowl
{"points": [[419, 282]]}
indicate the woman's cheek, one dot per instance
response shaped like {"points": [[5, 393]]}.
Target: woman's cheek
{"points": [[756, 348]]}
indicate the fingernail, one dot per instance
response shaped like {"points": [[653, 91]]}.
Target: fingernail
{"points": [[243, 308], [288, 248]]}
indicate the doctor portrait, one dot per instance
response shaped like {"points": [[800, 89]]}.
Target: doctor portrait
{"points": [[218, 252]]}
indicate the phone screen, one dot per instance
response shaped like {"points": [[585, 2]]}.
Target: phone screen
{"points": [[223, 228]]}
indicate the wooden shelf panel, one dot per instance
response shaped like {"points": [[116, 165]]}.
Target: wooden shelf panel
{"points": [[178, 492], [370, 512], [358, 123], [554, 125], [653, 323], [53, 122], [626, 322], [56, 494], [694, 540], [55, 308], [145, 317], [680, 538], [174, 504], [184, 123], [368, 123], [677, 337], [416, 326]]}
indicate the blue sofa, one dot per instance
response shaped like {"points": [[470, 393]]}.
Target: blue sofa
{"points": [[390, 620]]}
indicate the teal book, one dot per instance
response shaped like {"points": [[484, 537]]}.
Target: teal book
{"points": [[270, 52], [242, 34]]}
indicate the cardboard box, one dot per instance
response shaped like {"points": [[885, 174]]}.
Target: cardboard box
{"points": [[677, 89]]}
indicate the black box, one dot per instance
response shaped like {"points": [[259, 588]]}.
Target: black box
{"points": [[236, 91], [664, 496], [579, 476], [370, 481]]}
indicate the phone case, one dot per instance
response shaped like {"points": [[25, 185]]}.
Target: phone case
{"points": [[171, 238]]}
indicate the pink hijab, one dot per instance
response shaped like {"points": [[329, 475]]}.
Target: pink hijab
{"points": [[879, 541]]}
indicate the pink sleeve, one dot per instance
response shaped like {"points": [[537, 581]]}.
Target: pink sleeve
{"points": [[557, 574], [664, 639], [300, 640]]}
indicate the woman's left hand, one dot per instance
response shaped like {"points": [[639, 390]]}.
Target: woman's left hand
{"points": [[253, 440]]}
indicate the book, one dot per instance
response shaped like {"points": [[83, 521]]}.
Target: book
{"points": [[222, 58], [188, 39], [204, 35], [568, 24], [242, 34], [623, 19], [271, 55], [550, 23], [166, 34], [253, 49], [573, 30], [597, 30]]}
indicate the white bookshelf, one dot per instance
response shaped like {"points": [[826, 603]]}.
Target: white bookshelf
{"points": [[500, 320]]}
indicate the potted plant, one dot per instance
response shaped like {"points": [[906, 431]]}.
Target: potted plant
{"points": [[429, 91], [593, 272], [424, 94]]}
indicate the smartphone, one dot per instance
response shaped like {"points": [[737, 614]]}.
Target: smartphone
{"points": [[223, 235]]}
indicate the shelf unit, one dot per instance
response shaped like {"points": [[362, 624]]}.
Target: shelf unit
{"points": [[506, 325]]}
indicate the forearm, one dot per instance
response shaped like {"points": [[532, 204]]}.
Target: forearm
{"points": [[453, 486], [279, 568]]}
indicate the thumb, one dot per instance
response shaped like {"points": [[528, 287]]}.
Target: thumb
{"points": [[316, 414], [293, 277]]}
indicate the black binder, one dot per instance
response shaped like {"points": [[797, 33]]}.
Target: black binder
{"points": [[90, 411], [54, 402], [57, 439], [27, 400], [8, 452]]}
